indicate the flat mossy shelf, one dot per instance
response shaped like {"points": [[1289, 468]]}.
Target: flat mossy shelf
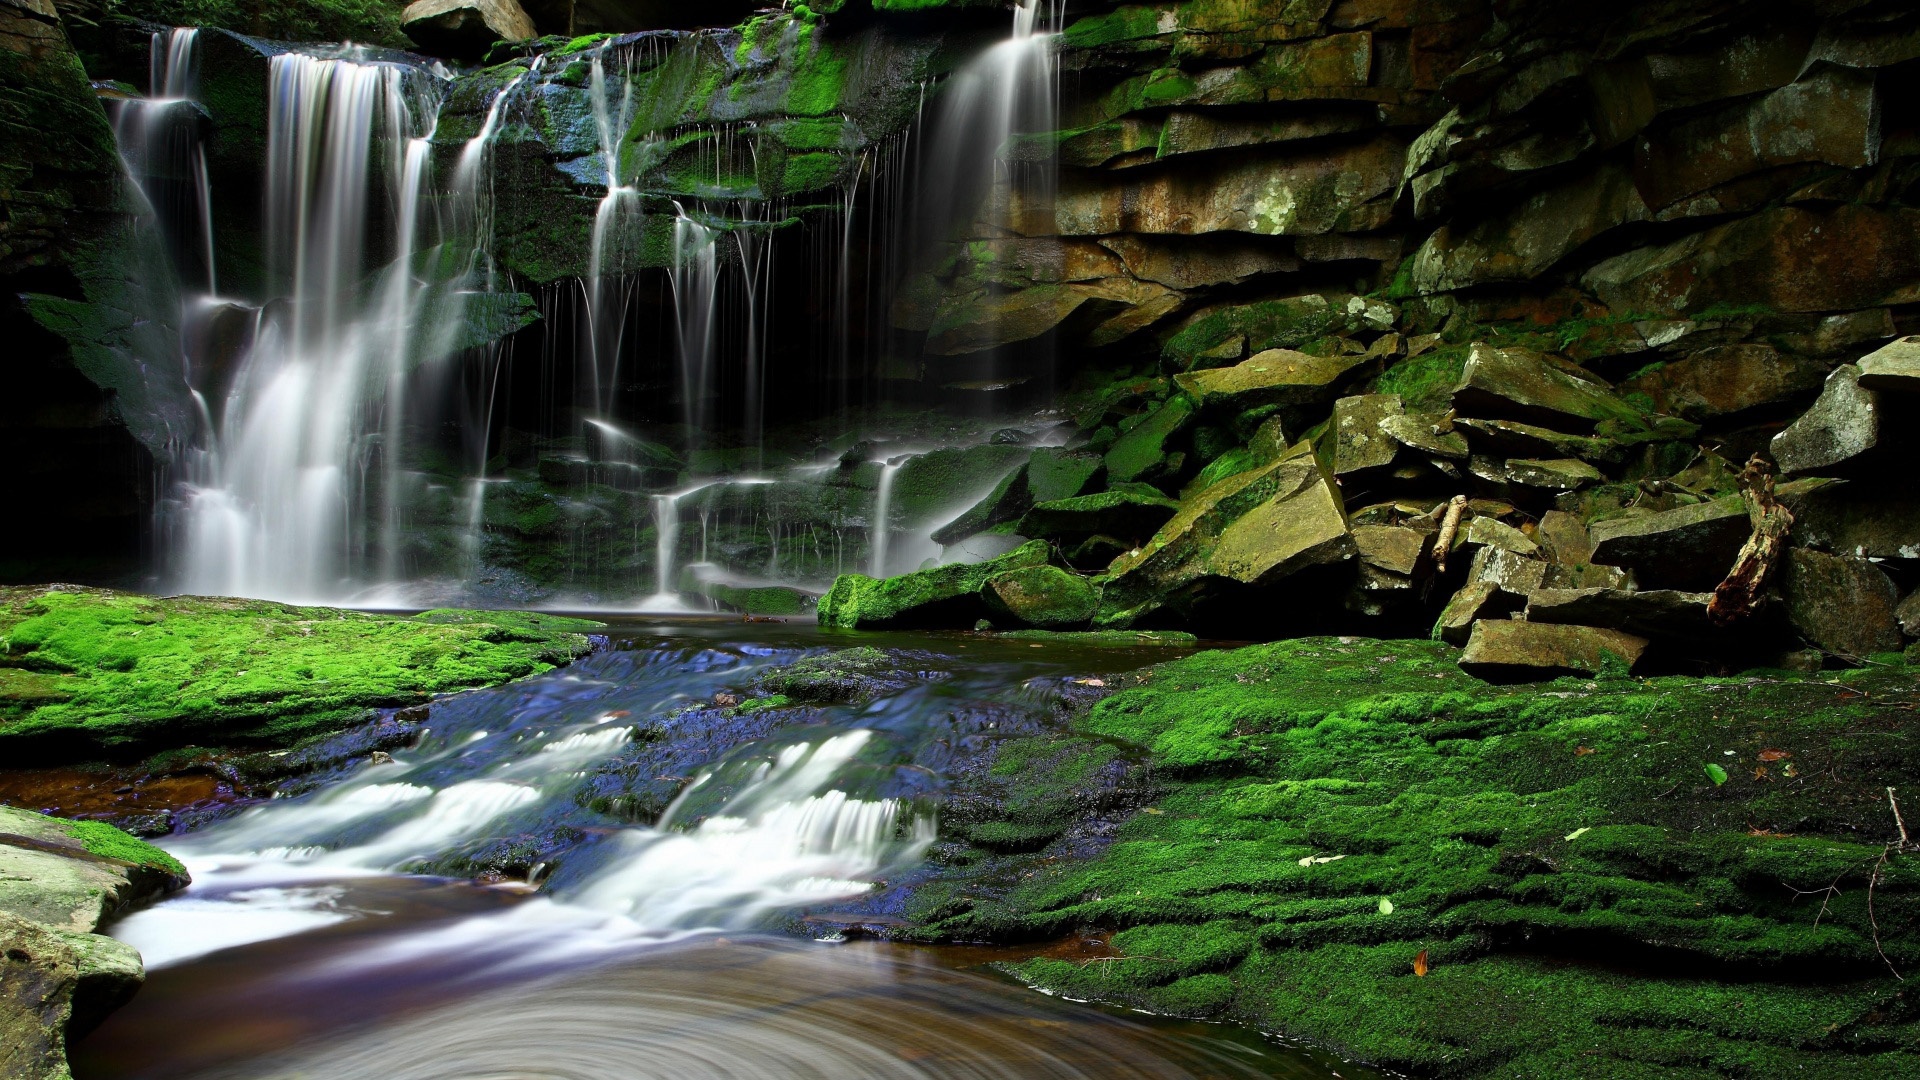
{"points": [[1354, 843], [88, 671]]}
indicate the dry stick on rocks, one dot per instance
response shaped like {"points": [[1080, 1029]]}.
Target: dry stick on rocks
{"points": [[1449, 525], [1737, 596]]}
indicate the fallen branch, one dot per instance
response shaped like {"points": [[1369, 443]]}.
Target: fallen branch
{"points": [[1904, 842], [1738, 596], [1449, 525]]}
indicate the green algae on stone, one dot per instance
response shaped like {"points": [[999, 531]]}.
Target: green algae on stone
{"points": [[84, 671], [1042, 596], [1589, 901], [102, 839]]}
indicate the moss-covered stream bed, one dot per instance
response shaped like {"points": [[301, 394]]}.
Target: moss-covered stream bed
{"points": [[1314, 854]]}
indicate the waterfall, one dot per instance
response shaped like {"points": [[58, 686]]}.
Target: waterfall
{"points": [[161, 143], [613, 221], [695, 275], [666, 527], [880, 531]]}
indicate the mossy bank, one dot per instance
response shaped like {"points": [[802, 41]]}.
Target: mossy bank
{"points": [[1353, 843], [87, 672]]}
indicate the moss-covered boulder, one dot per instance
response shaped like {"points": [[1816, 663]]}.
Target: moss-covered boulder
{"points": [[944, 596], [1045, 597], [88, 671], [1353, 843]]}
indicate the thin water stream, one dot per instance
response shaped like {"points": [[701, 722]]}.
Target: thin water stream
{"points": [[315, 943]]}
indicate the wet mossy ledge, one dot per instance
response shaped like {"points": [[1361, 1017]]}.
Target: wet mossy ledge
{"points": [[1354, 843], [90, 672]]}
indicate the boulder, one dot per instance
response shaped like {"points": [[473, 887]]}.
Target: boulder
{"points": [[1397, 549], [1869, 522], [1429, 433], [1489, 532], [1844, 605], [1895, 367], [55, 986], [1199, 261], [1562, 474], [1057, 473], [1841, 427], [1563, 539], [1476, 600], [48, 875], [944, 596], [1112, 513], [1251, 529], [465, 29], [1790, 259], [1657, 613], [1908, 614], [1511, 572], [1727, 380], [1688, 547], [1515, 650], [1274, 377], [1519, 384], [984, 320], [1141, 453], [1522, 241], [1507, 438], [1046, 597], [1358, 435], [936, 486]]}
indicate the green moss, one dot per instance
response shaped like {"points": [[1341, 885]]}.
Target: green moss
{"points": [[1427, 380], [811, 172], [102, 839], [771, 701], [1127, 24], [941, 596], [1589, 900], [1289, 323], [85, 670]]}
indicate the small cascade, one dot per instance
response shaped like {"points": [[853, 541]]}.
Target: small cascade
{"points": [[880, 530], [666, 527], [767, 827], [616, 221], [161, 140], [695, 275]]}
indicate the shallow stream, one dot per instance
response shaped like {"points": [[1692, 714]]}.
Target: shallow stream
{"points": [[330, 934]]}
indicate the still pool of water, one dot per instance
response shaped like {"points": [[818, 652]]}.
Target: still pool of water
{"points": [[311, 946]]}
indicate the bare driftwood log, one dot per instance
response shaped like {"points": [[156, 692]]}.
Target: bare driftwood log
{"points": [[1737, 596], [1449, 525]]}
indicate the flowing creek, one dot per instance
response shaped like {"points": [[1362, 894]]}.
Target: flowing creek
{"points": [[315, 943]]}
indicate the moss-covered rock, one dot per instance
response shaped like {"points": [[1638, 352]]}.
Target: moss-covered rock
{"points": [[1046, 597], [945, 596], [1353, 843], [87, 671]]}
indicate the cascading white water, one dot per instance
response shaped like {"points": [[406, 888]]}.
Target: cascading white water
{"points": [[695, 275], [666, 528], [880, 531], [159, 140], [271, 509], [615, 221]]}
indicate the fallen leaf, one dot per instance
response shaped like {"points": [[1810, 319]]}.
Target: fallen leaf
{"points": [[1579, 832], [1774, 755], [1582, 751], [1790, 770], [1386, 906], [1420, 964], [1715, 773], [1314, 860], [1151, 810], [1760, 773]]}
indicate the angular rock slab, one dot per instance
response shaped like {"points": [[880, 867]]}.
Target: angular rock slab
{"points": [[1273, 377], [1253, 529], [1114, 513], [1518, 384], [1360, 440], [1688, 547], [1842, 426], [1656, 613], [1895, 367], [55, 986], [1513, 650], [1846, 606]]}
